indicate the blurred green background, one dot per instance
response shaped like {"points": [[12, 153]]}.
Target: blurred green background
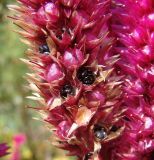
{"points": [[15, 118]]}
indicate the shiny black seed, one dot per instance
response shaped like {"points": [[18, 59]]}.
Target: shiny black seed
{"points": [[60, 142], [147, 98], [100, 133], [86, 76], [88, 80], [87, 156], [114, 128], [65, 30], [59, 37], [126, 119], [44, 49], [66, 90]]}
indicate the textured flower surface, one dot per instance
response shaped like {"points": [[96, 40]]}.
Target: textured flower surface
{"points": [[92, 68], [133, 25], [3, 149]]}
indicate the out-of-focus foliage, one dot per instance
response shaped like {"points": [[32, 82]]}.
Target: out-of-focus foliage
{"points": [[14, 116]]}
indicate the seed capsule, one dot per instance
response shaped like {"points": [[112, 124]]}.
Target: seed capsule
{"points": [[114, 128], [44, 49], [88, 156], [100, 133], [66, 90], [86, 76], [59, 37]]}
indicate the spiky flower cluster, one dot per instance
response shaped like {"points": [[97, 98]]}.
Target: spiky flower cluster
{"points": [[93, 73], [3, 149], [133, 25]]}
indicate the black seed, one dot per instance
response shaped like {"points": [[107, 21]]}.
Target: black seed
{"points": [[100, 133], [60, 142], [114, 128], [88, 80], [44, 49], [86, 76], [59, 37], [87, 156], [147, 98], [68, 31], [126, 118], [66, 90], [65, 30]]}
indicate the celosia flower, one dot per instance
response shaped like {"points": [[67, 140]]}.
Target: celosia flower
{"points": [[70, 53], [93, 71], [3, 149]]}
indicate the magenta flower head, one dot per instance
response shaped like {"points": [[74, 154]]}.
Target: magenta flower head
{"points": [[133, 25], [4, 149], [92, 72]]}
